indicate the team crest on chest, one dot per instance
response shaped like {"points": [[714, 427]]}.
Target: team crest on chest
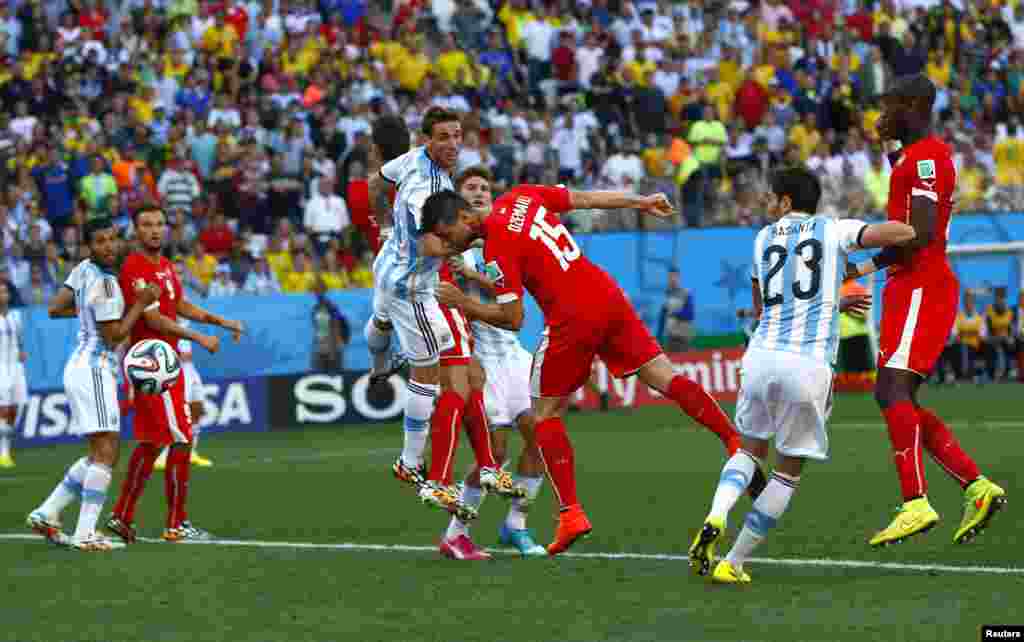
{"points": [[926, 169]]}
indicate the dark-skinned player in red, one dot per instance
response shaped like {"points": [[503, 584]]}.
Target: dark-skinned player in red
{"points": [[919, 306]]}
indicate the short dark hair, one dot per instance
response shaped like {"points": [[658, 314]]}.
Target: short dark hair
{"points": [[391, 137], [147, 206], [436, 115], [800, 185], [442, 207], [917, 88], [95, 225], [476, 171]]}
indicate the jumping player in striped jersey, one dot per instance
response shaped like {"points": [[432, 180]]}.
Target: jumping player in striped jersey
{"points": [[90, 382], [799, 264], [13, 388], [405, 277]]}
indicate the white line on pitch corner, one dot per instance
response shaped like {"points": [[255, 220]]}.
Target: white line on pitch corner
{"points": [[653, 557]]}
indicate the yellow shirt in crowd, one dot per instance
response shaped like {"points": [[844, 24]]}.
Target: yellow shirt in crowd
{"points": [[298, 282], [203, 268]]}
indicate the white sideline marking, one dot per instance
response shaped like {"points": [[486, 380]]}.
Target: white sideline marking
{"points": [[657, 557]]}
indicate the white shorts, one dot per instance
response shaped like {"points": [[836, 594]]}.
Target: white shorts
{"points": [[92, 397], [507, 392], [13, 386], [193, 382], [419, 323], [787, 396]]}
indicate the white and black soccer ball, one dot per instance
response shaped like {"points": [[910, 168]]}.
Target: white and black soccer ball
{"points": [[152, 366]]}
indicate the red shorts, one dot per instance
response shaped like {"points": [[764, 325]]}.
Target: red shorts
{"points": [[916, 321], [462, 351], [566, 354], [164, 418]]}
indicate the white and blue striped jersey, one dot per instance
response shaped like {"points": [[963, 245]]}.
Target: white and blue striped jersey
{"points": [[98, 299], [489, 342], [799, 265], [12, 335], [398, 267]]}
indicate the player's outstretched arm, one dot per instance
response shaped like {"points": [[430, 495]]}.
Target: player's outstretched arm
{"points": [[654, 204], [896, 240], [163, 325], [501, 315], [195, 313], [62, 305]]}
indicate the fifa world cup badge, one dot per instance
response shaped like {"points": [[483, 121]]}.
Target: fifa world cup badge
{"points": [[926, 169]]}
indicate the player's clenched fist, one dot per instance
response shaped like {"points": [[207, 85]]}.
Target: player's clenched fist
{"points": [[449, 295], [210, 343], [148, 293], [657, 205]]}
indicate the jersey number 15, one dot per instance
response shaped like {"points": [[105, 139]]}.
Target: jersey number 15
{"points": [[549, 235]]}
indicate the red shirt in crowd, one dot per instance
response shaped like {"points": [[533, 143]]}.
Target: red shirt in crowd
{"points": [[217, 239]]}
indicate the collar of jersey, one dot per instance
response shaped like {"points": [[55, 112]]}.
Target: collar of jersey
{"points": [[795, 214]]}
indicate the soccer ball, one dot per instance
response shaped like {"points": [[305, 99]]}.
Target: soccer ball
{"points": [[152, 366]]}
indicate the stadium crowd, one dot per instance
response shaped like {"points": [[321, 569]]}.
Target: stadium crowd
{"points": [[249, 121]]}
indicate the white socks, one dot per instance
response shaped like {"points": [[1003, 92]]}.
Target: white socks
{"points": [[378, 342], [767, 510], [68, 490], [94, 494], [419, 405], [736, 476], [516, 518], [196, 431], [472, 496], [6, 430]]}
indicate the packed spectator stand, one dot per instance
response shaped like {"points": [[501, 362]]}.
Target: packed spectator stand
{"points": [[249, 122]]}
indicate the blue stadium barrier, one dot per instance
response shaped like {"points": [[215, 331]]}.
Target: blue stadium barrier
{"points": [[714, 265]]}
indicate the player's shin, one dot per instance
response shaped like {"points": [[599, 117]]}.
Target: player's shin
{"points": [[444, 436], [379, 342], [762, 518], [94, 495], [473, 497], [698, 404], [733, 482], [140, 467], [176, 479], [520, 506], [68, 490], [6, 434], [478, 431], [905, 435], [559, 459], [419, 405], [944, 448]]}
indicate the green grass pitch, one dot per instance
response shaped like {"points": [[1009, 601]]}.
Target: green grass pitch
{"points": [[646, 479]]}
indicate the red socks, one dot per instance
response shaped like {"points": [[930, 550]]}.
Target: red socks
{"points": [[476, 427], [945, 449], [556, 451], [140, 467], [444, 436], [176, 484], [905, 436], [699, 405]]}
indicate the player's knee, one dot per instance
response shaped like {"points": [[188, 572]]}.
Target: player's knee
{"points": [[477, 376], [198, 410]]}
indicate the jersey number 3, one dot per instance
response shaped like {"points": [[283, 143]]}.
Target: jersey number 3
{"points": [[810, 252], [542, 231]]}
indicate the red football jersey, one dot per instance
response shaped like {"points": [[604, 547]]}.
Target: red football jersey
{"points": [[137, 267], [924, 169], [528, 247]]}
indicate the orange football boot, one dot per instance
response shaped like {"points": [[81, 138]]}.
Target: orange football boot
{"points": [[572, 525]]}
